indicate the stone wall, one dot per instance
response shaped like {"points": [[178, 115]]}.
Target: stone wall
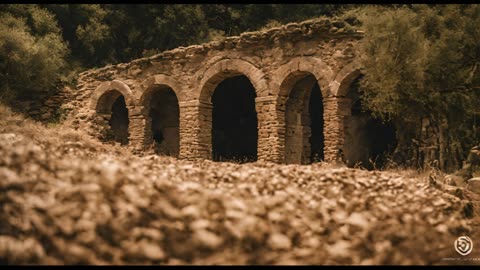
{"points": [[270, 59], [46, 108]]}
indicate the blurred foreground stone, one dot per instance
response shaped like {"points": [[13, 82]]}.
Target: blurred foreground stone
{"points": [[65, 203]]}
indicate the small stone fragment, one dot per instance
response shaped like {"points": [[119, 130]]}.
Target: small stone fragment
{"points": [[278, 241]]}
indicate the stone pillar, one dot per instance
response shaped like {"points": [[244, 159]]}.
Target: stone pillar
{"points": [[293, 135], [335, 109], [271, 130], [138, 129], [195, 130]]}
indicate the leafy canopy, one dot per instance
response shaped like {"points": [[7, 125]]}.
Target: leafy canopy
{"points": [[32, 51], [422, 62]]}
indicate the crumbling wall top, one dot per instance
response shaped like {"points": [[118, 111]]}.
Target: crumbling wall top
{"points": [[320, 28]]}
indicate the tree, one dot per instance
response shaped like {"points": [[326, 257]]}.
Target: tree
{"points": [[112, 33], [421, 69], [85, 29], [32, 51]]}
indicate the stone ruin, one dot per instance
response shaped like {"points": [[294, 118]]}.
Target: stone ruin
{"points": [[282, 95]]}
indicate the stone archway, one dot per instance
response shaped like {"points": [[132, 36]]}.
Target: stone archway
{"points": [[223, 69], [163, 125], [315, 66], [218, 83], [234, 121], [303, 107], [113, 109], [161, 112], [368, 140], [122, 88], [300, 86], [340, 86], [110, 102]]}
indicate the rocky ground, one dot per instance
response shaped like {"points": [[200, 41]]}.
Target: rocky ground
{"points": [[68, 199]]}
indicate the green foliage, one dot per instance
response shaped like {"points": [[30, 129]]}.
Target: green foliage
{"points": [[392, 50], [236, 18], [85, 29], [93, 36], [106, 34], [31, 51], [421, 63], [36, 40]]}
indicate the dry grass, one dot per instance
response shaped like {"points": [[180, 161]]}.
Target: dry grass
{"points": [[66, 198]]}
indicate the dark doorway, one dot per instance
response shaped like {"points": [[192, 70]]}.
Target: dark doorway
{"points": [[119, 121], [234, 121], [368, 141], [164, 113], [316, 120]]}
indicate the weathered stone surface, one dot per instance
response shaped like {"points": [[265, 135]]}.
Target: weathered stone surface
{"points": [[320, 47]]}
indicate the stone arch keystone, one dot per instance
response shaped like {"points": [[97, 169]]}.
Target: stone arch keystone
{"points": [[148, 87], [227, 68], [95, 100], [322, 72], [339, 86]]}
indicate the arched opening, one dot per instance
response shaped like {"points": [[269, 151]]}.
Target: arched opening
{"points": [[304, 140], [163, 111], [368, 141], [234, 121], [317, 142], [112, 105]]}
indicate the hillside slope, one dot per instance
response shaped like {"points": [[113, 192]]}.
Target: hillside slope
{"points": [[68, 199]]}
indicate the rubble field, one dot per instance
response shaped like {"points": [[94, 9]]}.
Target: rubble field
{"points": [[66, 198]]}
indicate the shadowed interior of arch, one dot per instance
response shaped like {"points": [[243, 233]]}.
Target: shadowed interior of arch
{"points": [[163, 110], [304, 140], [367, 139], [112, 105], [234, 121]]}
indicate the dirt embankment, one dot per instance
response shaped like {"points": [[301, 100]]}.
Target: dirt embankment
{"points": [[68, 199]]}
